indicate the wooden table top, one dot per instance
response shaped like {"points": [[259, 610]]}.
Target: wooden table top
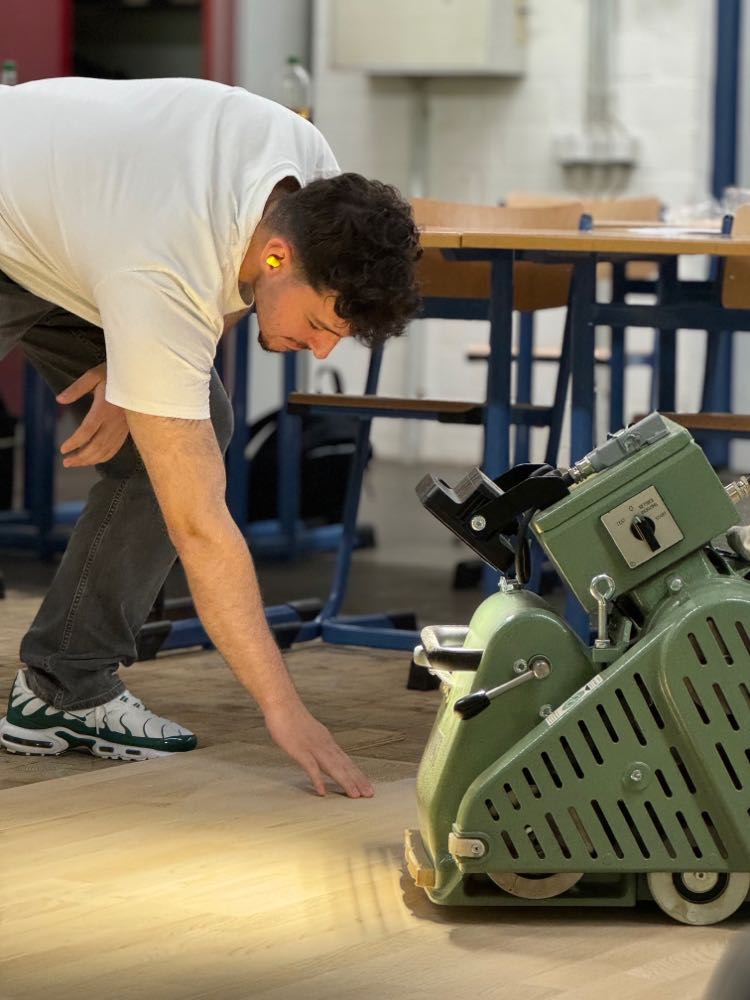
{"points": [[646, 240]]}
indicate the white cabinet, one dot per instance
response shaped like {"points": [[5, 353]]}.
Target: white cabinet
{"points": [[430, 37]]}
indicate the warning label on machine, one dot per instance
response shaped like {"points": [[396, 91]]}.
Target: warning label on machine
{"points": [[571, 702]]}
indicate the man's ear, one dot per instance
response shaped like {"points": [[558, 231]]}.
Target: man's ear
{"points": [[276, 254]]}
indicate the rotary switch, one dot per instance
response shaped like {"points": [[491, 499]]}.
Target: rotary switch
{"points": [[645, 529]]}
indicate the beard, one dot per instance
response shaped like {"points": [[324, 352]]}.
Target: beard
{"points": [[265, 344]]}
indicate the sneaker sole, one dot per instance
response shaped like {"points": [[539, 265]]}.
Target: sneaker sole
{"points": [[58, 740]]}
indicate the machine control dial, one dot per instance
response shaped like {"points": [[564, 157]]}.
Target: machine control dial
{"points": [[642, 527], [645, 529]]}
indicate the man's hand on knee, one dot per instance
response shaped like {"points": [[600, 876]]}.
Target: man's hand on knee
{"points": [[104, 428]]}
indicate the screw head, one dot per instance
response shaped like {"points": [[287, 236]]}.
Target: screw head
{"points": [[676, 584], [636, 774], [520, 667], [544, 711], [476, 850], [478, 523]]}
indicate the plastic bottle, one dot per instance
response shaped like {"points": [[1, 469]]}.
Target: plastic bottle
{"points": [[9, 73], [297, 88]]}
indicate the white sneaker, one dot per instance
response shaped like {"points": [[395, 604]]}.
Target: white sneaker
{"points": [[120, 729]]}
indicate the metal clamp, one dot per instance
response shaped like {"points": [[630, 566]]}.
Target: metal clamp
{"points": [[443, 648]]}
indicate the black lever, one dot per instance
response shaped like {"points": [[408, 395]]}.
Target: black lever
{"points": [[472, 704], [645, 529]]}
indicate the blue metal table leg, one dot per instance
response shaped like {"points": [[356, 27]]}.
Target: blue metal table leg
{"points": [[498, 406], [524, 378], [289, 449], [561, 394], [666, 340], [617, 356], [583, 400]]}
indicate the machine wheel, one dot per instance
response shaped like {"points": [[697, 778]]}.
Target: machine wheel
{"points": [[699, 898], [535, 886]]}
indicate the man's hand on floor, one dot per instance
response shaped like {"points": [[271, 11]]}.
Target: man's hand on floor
{"points": [[104, 428], [311, 745]]}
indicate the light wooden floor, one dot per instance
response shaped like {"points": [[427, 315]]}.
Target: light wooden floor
{"points": [[217, 875]]}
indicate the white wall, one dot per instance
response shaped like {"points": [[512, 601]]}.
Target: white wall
{"points": [[488, 137], [265, 34]]}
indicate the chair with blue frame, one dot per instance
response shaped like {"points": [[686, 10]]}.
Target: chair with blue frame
{"points": [[732, 284], [454, 290], [626, 278]]}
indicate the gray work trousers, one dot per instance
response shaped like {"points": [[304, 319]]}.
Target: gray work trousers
{"points": [[119, 553]]}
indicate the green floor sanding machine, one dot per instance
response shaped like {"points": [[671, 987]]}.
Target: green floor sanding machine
{"points": [[564, 772]]}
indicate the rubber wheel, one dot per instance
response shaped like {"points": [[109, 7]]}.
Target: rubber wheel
{"points": [[535, 886], [699, 898]]}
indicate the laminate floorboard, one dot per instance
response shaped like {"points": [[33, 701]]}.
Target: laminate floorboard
{"points": [[218, 875]]}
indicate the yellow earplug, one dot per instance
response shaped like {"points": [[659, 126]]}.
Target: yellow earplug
{"points": [[273, 261]]}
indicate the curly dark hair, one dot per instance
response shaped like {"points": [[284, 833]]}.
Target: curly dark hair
{"points": [[357, 238]]}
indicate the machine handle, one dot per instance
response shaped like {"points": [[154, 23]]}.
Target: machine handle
{"points": [[443, 647], [473, 704]]}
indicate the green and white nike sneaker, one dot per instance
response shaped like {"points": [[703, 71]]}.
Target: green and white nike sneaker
{"points": [[120, 729]]}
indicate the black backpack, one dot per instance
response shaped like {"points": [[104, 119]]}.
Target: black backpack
{"points": [[327, 449]]}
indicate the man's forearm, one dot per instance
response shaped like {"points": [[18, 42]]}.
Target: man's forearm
{"points": [[227, 598]]}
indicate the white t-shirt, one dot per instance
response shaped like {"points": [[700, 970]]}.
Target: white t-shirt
{"points": [[132, 203]]}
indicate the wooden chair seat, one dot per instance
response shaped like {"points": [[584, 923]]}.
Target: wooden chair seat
{"points": [[481, 352], [444, 410], [728, 422]]}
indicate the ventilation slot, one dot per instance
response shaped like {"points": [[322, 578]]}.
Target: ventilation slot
{"points": [[582, 832], [662, 833], [729, 767], [509, 844], [689, 836], [571, 757], [696, 700], [633, 829], [608, 831], [745, 694], [683, 770], [630, 717], [721, 698], [663, 782], [743, 635], [551, 769], [590, 741], [649, 701], [533, 840], [557, 834], [700, 655], [724, 649], [491, 809], [512, 797], [608, 723], [715, 835], [531, 783]]}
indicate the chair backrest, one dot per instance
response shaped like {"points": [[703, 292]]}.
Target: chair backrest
{"points": [[531, 199], [535, 286], [645, 209], [735, 285]]}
